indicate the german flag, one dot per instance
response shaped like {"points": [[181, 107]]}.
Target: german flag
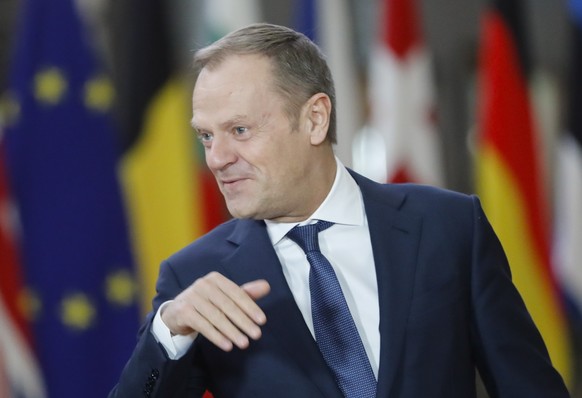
{"points": [[509, 174]]}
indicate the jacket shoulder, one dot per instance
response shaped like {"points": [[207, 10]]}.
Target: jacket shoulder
{"points": [[417, 198]]}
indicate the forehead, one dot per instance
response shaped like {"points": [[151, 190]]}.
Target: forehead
{"points": [[236, 71], [238, 84]]}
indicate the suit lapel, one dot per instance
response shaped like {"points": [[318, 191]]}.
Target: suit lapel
{"points": [[395, 237], [255, 258]]}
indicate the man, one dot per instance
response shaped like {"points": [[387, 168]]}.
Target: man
{"points": [[422, 286]]}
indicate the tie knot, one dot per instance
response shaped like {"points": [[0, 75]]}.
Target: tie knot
{"points": [[306, 236]]}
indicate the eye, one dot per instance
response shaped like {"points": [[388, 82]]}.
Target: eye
{"points": [[204, 137], [239, 130]]}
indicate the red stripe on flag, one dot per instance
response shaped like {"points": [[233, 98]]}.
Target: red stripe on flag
{"points": [[19, 371], [212, 203], [400, 28], [401, 175], [11, 282], [507, 124]]}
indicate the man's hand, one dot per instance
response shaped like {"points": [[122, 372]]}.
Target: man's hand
{"points": [[220, 310]]}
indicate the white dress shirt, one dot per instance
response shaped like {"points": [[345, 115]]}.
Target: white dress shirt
{"points": [[348, 248]]}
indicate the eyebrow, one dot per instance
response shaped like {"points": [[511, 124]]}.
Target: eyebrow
{"points": [[233, 120], [193, 124]]}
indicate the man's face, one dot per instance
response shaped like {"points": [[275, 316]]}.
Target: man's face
{"points": [[259, 161]]}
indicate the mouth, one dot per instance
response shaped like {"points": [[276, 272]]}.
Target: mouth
{"points": [[226, 181], [231, 183]]}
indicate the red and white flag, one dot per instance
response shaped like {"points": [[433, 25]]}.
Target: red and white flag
{"points": [[402, 144], [20, 374]]}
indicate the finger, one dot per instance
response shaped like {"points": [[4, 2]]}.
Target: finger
{"points": [[257, 289], [242, 302], [231, 305], [223, 310], [220, 321], [206, 329], [182, 318], [229, 309]]}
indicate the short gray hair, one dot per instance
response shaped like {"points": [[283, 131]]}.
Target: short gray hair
{"points": [[300, 68]]}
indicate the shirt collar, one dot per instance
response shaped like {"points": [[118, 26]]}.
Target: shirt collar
{"points": [[338, 206]]}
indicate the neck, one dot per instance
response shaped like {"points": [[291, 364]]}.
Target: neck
{"points": [[318, 184]]}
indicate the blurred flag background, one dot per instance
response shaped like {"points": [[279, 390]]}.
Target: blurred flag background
{"points": [[510, 173], [78, 290], [170, 197], [101, 177], [567, 249], [403, 109]]}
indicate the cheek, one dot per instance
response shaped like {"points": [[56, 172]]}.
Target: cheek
{"points": [[280, 157], [280, 166]]}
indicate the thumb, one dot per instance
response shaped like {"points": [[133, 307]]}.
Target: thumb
{"points": [[257, 289]]}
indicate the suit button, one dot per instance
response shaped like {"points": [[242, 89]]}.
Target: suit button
{"points": [[155, 373]]}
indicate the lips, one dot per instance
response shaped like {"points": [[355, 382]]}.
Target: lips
{"points": [[232, 183], [231, 180]]}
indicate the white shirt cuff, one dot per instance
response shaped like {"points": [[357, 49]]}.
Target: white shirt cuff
{"points": [[175, 346]]}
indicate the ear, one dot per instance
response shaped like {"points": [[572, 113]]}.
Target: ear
{"points": [[318, 111]]}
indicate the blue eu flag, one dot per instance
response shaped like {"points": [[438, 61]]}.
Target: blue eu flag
{"points": [[62, 160]]}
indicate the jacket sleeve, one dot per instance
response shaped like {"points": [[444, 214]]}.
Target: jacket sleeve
{"points": [[511, 356], [149, 372]]}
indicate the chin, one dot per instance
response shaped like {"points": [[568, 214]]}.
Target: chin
{"points": [[238, 212]]}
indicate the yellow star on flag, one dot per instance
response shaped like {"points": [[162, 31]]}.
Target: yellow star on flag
{"points": [[99, 93], [120, 288], [50, 86], [77, 311]]}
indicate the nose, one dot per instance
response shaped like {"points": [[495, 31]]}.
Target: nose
{"points": [[220, 154]]}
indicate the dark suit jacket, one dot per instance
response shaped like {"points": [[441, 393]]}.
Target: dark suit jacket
{"points": [[447, 306]]}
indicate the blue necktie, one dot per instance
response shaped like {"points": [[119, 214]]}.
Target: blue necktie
{"points": [[335, 331]]}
